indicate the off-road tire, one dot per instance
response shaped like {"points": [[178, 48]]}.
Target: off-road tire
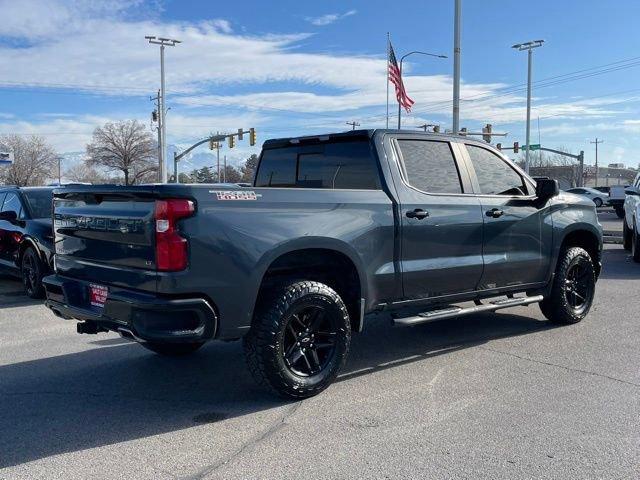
{"points": [[265, 342], [635, 244], [32, 270], [172, 349], [556, 307], [619, 212], [626, 236]]}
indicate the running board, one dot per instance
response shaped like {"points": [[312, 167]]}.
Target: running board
{"points": [[456, 311]]}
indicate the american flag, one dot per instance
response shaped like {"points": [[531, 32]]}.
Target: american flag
{"points": [[395, 77]]}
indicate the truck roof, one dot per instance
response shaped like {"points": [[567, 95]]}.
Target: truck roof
{"points": [[352, 134]]}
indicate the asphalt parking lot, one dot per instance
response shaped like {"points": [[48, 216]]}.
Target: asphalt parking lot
{"points": [[500, 395]]}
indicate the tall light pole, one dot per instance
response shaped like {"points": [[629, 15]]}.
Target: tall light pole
{"points": [[456, 66], [416, 52], [528, 46], [163, 42]]}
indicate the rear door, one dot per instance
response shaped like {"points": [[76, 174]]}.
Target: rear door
{"points": [[515, 251], [441, 224]]}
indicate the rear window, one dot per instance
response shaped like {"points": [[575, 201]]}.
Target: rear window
{"points": [[39, 202], [340, 165]]}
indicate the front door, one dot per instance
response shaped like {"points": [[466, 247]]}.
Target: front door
{"points": [[441, 226], [517, 242]]}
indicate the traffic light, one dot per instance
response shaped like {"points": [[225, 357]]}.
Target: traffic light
{"points": [[436, 129], [499, 146], [486, 133], [516, 147], [252, 136], [240, 132], [232, 141], [154, 116], [212, 144]]}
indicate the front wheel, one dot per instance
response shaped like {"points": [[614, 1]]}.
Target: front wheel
{"points": [[573, 288], [598, 202], [299, 339], [172, 349]]}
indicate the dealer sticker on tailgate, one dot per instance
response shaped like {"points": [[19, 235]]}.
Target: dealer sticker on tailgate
{"points": [[98, 295]]}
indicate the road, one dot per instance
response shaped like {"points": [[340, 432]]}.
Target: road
{"points": [[501, 395]]}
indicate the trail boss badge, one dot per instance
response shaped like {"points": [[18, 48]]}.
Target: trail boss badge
{"points": [[235, 195]]}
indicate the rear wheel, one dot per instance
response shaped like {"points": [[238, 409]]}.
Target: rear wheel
{"points": [[32, 271], [172, 349], [573, 288], [299, 340]]}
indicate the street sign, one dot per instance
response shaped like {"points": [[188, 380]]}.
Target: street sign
{"points": [[6, 158], [533, 147]]}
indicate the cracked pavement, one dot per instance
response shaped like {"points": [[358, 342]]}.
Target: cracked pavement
{"points": [[497, 395]]}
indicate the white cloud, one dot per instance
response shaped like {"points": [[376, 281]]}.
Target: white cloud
{"points": [[329, 18]]}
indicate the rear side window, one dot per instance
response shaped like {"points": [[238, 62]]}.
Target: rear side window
{"points": [[12, 203], [430, 166], [494, 175], [340, 165]]}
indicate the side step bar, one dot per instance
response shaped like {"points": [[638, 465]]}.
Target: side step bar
{"points": [[456, 311]]}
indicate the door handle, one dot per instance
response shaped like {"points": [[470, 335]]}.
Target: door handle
{"points": [[495, 213], [417, 213]]}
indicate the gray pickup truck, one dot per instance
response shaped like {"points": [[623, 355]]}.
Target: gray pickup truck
{"points": [[335, 228]]}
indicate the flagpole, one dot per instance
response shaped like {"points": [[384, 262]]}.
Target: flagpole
{"points": [[386, 76]]}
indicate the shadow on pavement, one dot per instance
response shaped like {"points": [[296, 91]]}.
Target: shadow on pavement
{"points": [[119, 392]]}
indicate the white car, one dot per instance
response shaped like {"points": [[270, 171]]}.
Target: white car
{"points": [[598, 197], [631, 220]]}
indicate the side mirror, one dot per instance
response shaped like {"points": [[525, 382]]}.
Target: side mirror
{"points": [[632, 191], [9, 216], [546, 188]]}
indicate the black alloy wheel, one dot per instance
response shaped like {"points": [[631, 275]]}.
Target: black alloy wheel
{"points": [[31, 270], [309, 341], [578, 286]]}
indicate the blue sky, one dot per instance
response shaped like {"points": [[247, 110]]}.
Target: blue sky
{"points": [[295, 68]]}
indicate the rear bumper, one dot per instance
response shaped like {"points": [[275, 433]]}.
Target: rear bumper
{"points": [[143, 316]]}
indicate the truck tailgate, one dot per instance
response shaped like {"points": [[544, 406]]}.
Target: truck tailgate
{"points": [[106, 235]]}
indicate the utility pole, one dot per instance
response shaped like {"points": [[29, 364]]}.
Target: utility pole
{"points": [[217, 147], [456, 66], [225, 169], [163, 42], [528, 46], [596, 144], [426, 125], [354, 124], [59, 170]]}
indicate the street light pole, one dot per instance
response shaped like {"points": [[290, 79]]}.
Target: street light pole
{"points": [[456, 66], [163, 42], [401, 60], [529, 46]]}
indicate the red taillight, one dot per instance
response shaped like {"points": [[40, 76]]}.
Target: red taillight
{"points": [[171, 247]]}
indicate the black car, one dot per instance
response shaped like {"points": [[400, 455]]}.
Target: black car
{"points": [[26, 243]]}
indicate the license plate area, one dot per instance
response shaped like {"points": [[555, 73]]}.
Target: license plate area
{"points": [[98, 295]]}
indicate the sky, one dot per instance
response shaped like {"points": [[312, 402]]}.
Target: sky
{"points": [[290, 68]]}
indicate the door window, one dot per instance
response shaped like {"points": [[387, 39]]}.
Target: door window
{"points": [[430, 166], [12, 203], [495, 176]]}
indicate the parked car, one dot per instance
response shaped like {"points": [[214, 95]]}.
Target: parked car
{"points": [[26, 247], [335, 228], [596, 196], [617, 197], [631, 220]]}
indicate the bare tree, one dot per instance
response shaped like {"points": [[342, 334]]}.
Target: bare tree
{"points": [[34, 161], [82, 172], [127, 147]]}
